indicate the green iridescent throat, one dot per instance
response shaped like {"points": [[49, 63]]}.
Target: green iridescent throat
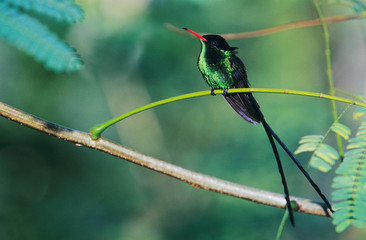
{"points": [[216, 70]]}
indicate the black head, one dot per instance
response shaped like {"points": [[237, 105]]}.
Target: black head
{"points": [[213, 41], [218, 42]]}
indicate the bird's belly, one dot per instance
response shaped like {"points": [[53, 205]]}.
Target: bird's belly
{"points": [[217, 79]]}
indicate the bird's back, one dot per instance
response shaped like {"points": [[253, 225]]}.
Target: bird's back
{"points": [[225, 70]]}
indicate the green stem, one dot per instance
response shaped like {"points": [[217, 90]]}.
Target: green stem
{"points": [[345, 93], [329, 72], [295, 207], [97, 130], [282, 225]]}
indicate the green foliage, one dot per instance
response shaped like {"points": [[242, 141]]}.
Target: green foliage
{"points": [[360, 112], [34, 38], [341, 129], [350, 184], [356, 5], [324, 156], [60, 10]]}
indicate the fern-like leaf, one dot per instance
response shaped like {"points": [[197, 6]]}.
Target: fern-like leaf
{"points": [[324, 156], [34, 38], [309, 143], [61, 10], [350, 184]]}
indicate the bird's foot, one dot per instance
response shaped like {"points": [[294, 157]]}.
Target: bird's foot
{"points": [[225, 92], [213, 92]]}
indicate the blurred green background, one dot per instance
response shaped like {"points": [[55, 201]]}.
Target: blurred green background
{"points": [[51, 189]]}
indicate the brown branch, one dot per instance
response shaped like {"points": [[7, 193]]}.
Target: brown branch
{"points": [[276, 29], [197, 180]]}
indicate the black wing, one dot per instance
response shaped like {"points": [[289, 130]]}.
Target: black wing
{"points": [[243, 103]]}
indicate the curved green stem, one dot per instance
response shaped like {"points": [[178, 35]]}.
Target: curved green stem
{"points": [[282, 225], [97, 130], [329, 71], [295, 207]]}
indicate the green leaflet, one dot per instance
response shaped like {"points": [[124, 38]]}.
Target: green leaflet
{"points": [[29, 35], [360, 112], [324, 156], [320, 164], [341, 129], [350, 184], [311, 139], [309, 143], [60, 10]]}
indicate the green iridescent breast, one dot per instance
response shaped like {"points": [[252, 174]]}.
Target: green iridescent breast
{"points": [[215, 66]]}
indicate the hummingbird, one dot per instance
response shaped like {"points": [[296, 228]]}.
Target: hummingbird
{"points": [[222, 69]]}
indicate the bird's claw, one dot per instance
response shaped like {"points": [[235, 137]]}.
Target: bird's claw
{"points": [[213, 92]]}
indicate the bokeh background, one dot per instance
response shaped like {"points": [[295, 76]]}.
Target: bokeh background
{"points": [[51, 189]]}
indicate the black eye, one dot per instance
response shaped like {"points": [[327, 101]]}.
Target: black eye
{"points": [[214, 43]]}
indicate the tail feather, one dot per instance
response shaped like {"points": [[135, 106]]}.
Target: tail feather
{"points": [[298, 164], [248, 108], [280, 169]]}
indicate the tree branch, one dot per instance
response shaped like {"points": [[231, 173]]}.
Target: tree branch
{"points": [[197, 180], [276, 29]]}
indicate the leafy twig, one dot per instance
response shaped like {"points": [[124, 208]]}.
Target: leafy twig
{"points": [[324, 156]]}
